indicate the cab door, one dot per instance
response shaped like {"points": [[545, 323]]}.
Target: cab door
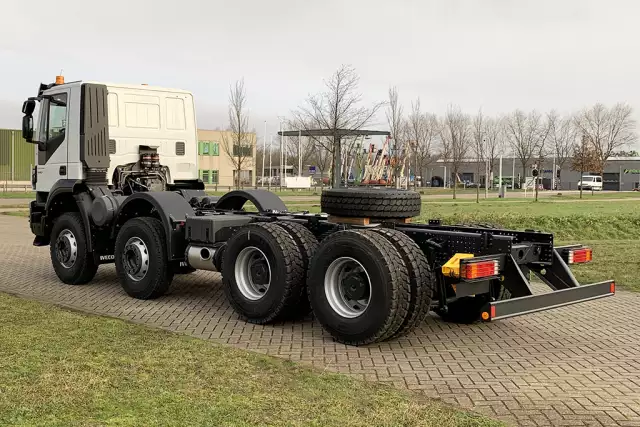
{"points": [[52, 136]]}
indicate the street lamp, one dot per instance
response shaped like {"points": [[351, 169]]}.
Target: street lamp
{"points": [[264, 150]]}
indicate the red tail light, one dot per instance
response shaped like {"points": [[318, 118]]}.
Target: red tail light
{"points": [[579, 256], [479, 269]]}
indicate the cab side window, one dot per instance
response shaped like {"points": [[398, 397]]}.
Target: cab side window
{"points": [[57, 117], [598, 179]]}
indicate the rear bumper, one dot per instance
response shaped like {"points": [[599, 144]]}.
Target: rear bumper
{"points": [[503, 309]]}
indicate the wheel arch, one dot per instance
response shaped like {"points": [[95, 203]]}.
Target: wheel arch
{"points": [[66, 196], [264, 201], [170, 208]]}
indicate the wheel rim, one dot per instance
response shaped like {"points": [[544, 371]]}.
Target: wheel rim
{"points": [[135, 259], [253, 273], [347, 287], [66, 248]]}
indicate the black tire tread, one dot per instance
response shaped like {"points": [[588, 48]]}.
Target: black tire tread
{"points": [[383, 203], [89, 268], [400, 291], [294, 273], [308, 245], [163, 272], [421, 278]]}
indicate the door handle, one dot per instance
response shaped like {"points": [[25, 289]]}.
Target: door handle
{"points": [[63, 170]]}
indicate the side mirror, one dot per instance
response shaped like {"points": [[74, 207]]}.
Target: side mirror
{"points": [[28, 107], [27, 128]]}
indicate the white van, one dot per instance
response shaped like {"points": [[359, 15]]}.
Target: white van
{"points": [[590, 182]]}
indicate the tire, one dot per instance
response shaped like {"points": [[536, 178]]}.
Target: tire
{"points": [[372, 203], [276, 256], [308, 245], [72, 266], [421, 279], [388, 297], [134, 238]]}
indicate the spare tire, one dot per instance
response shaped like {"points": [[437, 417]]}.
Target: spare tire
{"points": [[370, 202]]}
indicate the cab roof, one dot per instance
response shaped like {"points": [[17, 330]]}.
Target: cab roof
{"points": [[45, 87]]}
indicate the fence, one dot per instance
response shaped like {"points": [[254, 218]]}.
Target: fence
{"points": [[16, 156]]}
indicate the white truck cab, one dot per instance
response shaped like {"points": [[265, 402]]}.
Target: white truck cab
{"points": [[151, 143], [590, 182]]}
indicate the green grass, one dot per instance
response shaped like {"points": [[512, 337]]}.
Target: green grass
{"points": [[17, 195], [23, 214], [612, 259], [599, 219], [61, 368]]}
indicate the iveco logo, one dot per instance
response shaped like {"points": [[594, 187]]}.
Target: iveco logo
{"points": [[107, 257]]}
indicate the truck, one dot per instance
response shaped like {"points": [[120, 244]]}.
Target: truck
{"points": [[116, 181]]}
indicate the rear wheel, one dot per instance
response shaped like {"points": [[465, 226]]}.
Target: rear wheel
{"points": [[141, 258], [421, 280], [263, 273], [72, 262], [308, 245], [358, 287]]}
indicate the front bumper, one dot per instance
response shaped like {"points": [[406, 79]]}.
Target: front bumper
{"points": [[503, 309]]}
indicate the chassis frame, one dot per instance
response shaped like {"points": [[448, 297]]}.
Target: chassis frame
{"points": [[190, 217], [520, 254]]}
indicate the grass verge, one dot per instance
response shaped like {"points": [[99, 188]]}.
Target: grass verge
{"points": [[17, 195], [612, 259], [22, 214], [62, 368]]}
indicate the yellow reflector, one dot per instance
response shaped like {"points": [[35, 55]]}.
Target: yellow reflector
{"points": [[452, 267]]}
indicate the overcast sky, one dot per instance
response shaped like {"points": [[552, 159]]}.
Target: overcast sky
{"points": [[495, 54]]}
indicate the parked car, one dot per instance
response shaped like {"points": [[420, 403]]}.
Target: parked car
{"points": [[590, 182]]}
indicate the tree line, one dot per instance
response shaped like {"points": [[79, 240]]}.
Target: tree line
{"points": [[587, 138]]}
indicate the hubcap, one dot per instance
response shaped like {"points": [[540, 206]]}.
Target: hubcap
{"points": [[136, 259], [347, 287], [253, 273], [66, 248]]}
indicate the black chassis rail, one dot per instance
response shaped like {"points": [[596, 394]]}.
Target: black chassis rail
{"points": [[520, 253]]}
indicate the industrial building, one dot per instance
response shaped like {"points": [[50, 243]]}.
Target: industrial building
{"points": [[620, 174]]}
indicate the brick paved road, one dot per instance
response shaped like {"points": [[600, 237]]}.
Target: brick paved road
{"points": [[577, 365]]}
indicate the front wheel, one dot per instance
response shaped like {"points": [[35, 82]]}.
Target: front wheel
{"points": [[72, 262], [141, 258]]}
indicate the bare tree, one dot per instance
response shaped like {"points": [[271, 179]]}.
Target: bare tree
{"points": [[237, 142], [609, 130], [562, 136], [584, 157], [396, 127], [422, 129], [494, 143], [525, 132], [479, 146], [456, 137], [337, 109]]}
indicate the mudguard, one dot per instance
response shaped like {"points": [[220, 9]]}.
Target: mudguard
{"points": [[172, 209]]}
